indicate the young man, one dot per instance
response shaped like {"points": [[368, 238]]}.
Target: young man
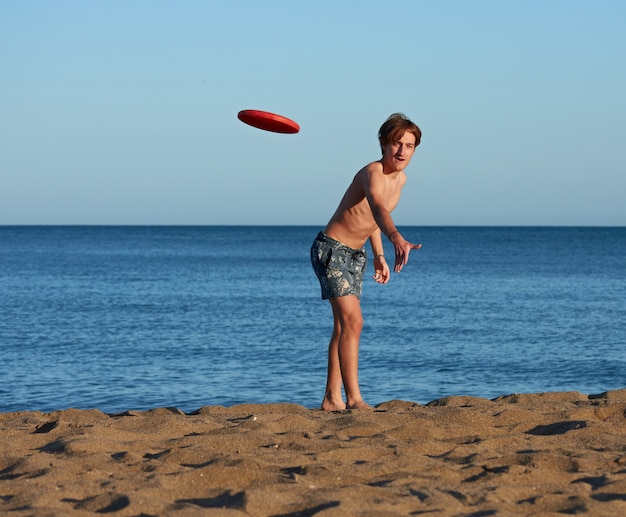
{"points": [[338, 254]]}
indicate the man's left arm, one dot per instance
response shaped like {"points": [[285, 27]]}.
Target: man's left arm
{"points": [[373, 187]]}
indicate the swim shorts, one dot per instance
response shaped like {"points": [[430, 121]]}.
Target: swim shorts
{"points": [[338, 268]]}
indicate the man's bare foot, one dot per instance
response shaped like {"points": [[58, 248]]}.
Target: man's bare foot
{"points": [[359, 404], [330, 404]]}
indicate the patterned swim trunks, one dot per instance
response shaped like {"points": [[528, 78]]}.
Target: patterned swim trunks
{"points": [[338, 268]]}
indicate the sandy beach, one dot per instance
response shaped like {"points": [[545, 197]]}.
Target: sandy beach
{"points": [[526, 454]]}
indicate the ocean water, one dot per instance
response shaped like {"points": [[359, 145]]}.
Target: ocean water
{"points": [[120, 318]]}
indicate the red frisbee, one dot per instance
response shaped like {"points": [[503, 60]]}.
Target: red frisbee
{"points": [[268, 121]]}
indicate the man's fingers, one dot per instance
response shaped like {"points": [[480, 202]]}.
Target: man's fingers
{"points": [[381, 278], [402, 257]]}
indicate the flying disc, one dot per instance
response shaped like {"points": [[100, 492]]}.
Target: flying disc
{"points": [[268, 121]]}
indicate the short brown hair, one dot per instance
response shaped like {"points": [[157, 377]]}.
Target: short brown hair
{"points": [[395, 126]]}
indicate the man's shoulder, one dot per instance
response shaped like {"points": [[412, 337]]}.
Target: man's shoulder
{"points": [[371, 168], [376, 166]]}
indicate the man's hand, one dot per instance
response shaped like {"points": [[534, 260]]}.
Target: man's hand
{"points": [[381, 269], [402, 248]]}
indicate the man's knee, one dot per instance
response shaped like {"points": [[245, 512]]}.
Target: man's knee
{"points": [[349, 314], [354, 322]]}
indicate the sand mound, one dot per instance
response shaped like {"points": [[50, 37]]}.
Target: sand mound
{"points": [[534, 454]]}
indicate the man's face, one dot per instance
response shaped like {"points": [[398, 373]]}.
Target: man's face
{"points": [[398, 153]]}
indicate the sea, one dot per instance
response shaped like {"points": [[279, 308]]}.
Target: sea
{"points": [[122, 318]]}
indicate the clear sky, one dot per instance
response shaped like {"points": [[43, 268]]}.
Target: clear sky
{"points": [[125, 112]]}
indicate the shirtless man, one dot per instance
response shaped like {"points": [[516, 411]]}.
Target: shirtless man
{"points": [[339, 259]]}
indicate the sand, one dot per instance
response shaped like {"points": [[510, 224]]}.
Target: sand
{"points": [[533, 454]]}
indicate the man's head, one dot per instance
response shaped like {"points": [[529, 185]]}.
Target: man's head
{"points": [[395, 127]]}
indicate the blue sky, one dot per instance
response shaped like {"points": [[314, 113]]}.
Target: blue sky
{"points": [[123, 112]]}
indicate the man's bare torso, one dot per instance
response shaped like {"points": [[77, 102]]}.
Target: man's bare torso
{"points": [[353, 222]]}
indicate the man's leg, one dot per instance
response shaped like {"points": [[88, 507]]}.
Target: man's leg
{"points": [[347, 311], [333, 400]]}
